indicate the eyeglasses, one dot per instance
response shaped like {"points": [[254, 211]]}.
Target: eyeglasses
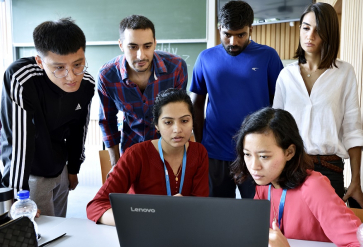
{"points": [[61, 71]]}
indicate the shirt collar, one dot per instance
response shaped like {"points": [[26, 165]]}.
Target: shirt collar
{"points": [[159, 64], [123, 69]]}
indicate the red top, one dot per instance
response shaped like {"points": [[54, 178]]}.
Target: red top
{"points": [[141, 171], [313, 211]]}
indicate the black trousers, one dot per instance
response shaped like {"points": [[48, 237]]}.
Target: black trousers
{"points": [[336, 180], [221, 183]]}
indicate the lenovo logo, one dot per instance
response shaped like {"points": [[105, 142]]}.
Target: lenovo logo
{"points": [[143, 210]]}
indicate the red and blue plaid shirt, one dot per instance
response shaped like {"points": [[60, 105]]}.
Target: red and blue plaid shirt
{"points": [[118, 93]]}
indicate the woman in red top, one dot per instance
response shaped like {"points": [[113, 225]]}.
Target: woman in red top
{"points": [[146, 167]]}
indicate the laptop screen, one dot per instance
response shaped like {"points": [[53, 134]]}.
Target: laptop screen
{"points": [[154, 220]]}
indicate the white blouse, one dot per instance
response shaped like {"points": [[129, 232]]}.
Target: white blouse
{"points": [[329, 120]]}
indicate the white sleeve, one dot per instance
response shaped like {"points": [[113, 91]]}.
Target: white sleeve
{"points": [[280, 93], [351, 130]]}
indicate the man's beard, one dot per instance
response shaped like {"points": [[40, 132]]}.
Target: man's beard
{"points": [[141, 70], [240, 49]]}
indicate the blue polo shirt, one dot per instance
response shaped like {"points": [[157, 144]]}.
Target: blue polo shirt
{"points": [[236, 86]]}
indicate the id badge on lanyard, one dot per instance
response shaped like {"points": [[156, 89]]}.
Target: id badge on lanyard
{"points": [[281, 205]]}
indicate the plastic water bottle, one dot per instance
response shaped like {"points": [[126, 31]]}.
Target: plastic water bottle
{"points": [[360, 234], [25, 206]]}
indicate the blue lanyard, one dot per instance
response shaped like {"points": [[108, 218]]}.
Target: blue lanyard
{"points": [[166, 170], [282, 203]]}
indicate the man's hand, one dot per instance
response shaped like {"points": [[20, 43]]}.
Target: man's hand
{"points": [[38, 213], [198, 103], [73, 181], [276, 238], [111, 170], [114, 152]]}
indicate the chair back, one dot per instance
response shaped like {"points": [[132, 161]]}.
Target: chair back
{"points": [[105, 164], [358, 212]]}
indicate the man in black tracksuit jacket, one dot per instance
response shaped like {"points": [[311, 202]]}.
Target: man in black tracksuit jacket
{"points": [[45, 108]]}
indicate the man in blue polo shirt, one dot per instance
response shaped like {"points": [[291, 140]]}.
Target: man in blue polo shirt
{"points": [[130, 83], [239, 77]]}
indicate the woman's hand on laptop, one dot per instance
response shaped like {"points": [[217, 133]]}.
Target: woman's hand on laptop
{"points": [[276, 238], [178, 194]]}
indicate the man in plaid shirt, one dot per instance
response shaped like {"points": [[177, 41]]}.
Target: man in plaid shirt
{"points": [[130, 83]]}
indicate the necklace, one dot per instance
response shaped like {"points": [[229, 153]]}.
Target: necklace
{"points": [[167, 183], [309, 73], [177, 174]]}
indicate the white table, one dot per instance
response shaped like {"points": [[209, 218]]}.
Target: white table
{"points": [[304, 243], [82, 232], [79, 232]]}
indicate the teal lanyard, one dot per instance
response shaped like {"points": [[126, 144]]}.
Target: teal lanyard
{"points": [[282, 203], [166, 170]]}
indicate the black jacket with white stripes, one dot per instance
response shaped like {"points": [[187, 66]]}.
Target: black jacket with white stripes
{"points": [[44, 128]]}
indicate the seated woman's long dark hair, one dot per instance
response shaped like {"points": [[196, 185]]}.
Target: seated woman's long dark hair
{"points": [[286, 132]]}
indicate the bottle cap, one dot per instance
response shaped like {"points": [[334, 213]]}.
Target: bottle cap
{"points": [[23, 194]]}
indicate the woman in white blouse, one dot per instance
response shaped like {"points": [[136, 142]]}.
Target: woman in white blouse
{"points": [[321, 93]]}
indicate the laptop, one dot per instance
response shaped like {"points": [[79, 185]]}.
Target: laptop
{"points": [[164, 221]]}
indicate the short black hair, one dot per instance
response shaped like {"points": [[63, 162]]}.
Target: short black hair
{"points": [[170, 95], [284, 128], [235, 15], [61, 37], [135, 22], [327, 25]]}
